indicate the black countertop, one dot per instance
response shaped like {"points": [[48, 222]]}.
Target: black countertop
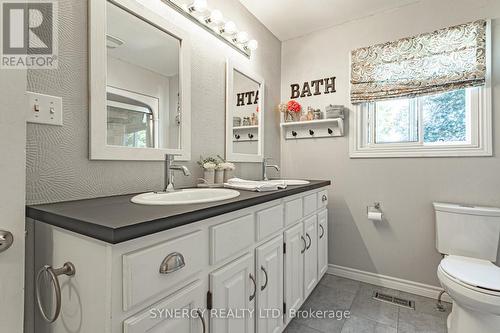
{"points": [[116, 219]]}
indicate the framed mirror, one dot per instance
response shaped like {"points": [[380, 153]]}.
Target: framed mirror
{"points": [[244, 114], [140, 104]]}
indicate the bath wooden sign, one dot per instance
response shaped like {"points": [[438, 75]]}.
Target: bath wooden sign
{"points": [[314, 87]]}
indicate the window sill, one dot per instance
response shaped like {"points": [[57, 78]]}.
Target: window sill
{"points": [[448, 151]]}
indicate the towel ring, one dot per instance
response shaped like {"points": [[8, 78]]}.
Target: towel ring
{"points": [[67, 269]]}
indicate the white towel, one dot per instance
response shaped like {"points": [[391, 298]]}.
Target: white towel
{"points": [[252, 185]]}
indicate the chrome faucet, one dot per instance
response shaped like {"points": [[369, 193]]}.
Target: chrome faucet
{"points": [[169, 172], [265, 166]]}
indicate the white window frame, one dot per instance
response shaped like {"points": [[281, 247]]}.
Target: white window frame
{"points": [[479, 102]]}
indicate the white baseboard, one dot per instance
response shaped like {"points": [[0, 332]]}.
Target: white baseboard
{"points": [[412, 287]]}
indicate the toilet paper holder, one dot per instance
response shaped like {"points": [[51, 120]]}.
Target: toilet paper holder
{"points": [[376, 208]]}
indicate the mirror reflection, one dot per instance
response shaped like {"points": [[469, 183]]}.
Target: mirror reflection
{"points": [[244, 110], [142, 93]]}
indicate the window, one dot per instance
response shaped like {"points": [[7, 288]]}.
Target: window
{"points": [[428, 95], [454, 123], [440, 119]]}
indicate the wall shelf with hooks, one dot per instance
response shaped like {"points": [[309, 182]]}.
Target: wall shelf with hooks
{"points": [[242, 128], [246, 133], [321, 128]]}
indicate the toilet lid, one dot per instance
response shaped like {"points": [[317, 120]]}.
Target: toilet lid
{"points": [[474, 272]]}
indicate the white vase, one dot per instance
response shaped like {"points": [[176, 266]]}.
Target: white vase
{"points": [[219, 176], [208, 175]]}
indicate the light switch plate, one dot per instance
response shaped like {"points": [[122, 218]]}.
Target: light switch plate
{"points": [[44, 109]]}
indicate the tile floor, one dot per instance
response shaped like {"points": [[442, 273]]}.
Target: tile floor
{"points": [[366, 314]]}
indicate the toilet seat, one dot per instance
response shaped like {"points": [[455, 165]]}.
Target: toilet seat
{"points": [[479, 275]]}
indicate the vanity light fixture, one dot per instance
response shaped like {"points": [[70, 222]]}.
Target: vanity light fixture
{"points": [[213, 21], [229, 28], [215, 18], [252, 45], [198, 6], [242, 37]]}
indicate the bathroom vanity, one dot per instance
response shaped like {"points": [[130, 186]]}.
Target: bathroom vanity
{"points": [[257, 252]]}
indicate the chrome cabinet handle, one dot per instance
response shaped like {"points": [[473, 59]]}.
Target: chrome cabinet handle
{"points": [[251, 298], [68, 269], [203, 325], [310, 241], [265, 273], [322, 231], [172, 263], [324, 198], [305, 244], [6, 240]]}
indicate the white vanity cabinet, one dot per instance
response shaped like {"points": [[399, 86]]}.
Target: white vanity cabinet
{"points": [[269, 270], [240, 272], [188, 300], [310, 255], [306, 259], [294, 268], [233, 287], [322, 242]]}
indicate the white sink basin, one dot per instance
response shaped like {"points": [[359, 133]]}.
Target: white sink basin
{"points": [[185, 196], [290, 181]]}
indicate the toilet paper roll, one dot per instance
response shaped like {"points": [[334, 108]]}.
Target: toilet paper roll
{"points": [[374, 216]]}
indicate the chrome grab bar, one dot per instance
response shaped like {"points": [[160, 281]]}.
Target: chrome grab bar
{"points": [[67, 269]]}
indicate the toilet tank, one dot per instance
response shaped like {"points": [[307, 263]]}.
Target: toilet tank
{"points": [[469, 231]]}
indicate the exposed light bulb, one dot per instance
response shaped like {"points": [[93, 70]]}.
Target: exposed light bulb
{"points": [[198, 6], [242, 37], [215, 17], [252, 45], [229, 28]]}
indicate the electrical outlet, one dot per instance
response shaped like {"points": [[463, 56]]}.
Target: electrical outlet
{"points": [[44, 109]]}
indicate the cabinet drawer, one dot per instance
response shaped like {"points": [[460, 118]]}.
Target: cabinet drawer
{"points": [[269, 221], [322, 199], [229, 238], [142, 279], [294, 211], [310, 203], [155, 318]]}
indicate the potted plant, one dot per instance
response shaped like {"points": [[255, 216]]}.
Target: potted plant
{"points": [[208, 165], [227, 167], [291, 110]]}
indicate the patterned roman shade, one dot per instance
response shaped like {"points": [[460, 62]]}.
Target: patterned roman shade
{"points": [[446, 59]]}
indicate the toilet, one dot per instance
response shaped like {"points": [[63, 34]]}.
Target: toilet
{"points": [[469, 237]]}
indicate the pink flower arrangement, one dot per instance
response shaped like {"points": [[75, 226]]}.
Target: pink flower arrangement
{"points": [[293, 106]]}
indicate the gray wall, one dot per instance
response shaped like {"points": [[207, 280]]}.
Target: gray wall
{"points": [[58, 167], [403, 246]]}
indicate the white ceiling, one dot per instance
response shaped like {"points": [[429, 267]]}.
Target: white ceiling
{"points": [[289, 19]]}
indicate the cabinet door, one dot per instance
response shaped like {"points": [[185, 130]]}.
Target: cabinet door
{"points": [[233, 289], [294, 268], [322, 243], [311, 255], [269, 271], [167, 315]]}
